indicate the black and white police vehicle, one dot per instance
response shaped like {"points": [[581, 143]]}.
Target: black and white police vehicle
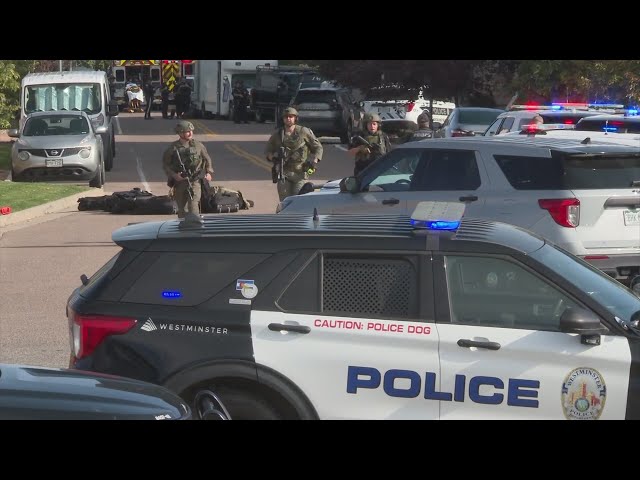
{"points": [[429, 316]]}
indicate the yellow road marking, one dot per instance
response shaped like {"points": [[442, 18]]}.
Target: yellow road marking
{"points": [[203, 127], [257, 161]]}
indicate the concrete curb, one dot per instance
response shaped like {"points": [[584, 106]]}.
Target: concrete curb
{"points": [[47, 208]]}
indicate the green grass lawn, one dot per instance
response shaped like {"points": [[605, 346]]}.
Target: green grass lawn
{"points": [[20, 196]]}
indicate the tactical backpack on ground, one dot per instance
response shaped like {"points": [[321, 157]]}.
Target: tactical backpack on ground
{"points": [[217, 199]]}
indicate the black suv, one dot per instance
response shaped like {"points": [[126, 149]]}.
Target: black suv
{"points": [[329, 112], [362, 316], [275, 87]]}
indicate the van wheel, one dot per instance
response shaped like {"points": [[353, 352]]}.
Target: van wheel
{"points": [[113, 145], [243, 405]]}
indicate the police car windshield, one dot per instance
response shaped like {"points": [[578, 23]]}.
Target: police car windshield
{"points": [[618, 299]]}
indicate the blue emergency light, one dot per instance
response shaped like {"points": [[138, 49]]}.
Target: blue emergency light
{"points": [[437, 215]]}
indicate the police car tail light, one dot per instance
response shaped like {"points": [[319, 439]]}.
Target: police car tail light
{"points": [[410, 106], [564, 211], [86, 332], [437, 215]]}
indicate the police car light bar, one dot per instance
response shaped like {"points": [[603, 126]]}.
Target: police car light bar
{"points": [[437, 215]]}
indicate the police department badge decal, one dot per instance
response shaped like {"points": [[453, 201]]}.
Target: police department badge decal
{"points": [[583, 394]]}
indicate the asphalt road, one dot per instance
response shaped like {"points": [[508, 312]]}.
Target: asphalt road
{"points": [[41, 261]]}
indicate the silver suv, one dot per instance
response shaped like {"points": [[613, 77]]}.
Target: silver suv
{"points": [[584, 197]]}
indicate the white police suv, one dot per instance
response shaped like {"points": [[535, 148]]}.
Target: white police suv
{"points": [[583, 196], [436, 316]]}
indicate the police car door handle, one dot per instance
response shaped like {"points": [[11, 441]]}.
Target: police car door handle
{"points": [[280, 327], [390, 201], [469, 198], [463, 342]]}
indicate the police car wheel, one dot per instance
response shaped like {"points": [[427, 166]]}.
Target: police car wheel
{"points": [[243, 405]]}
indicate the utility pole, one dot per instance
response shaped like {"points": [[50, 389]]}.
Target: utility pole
{"points": [[60, 65]]}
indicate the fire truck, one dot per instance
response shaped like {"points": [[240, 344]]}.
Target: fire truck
{"points": [[161, 72]]}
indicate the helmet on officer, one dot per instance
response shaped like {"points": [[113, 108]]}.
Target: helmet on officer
{"points": [[423, 118], [372, 117], [184, 126], [289, 111]]}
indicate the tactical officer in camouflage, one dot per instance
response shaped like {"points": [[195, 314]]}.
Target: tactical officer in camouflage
{"points": [[377, 139], [423, 128], [298, 143], [186, 180]]}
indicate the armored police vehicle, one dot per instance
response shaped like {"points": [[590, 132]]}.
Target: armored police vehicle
{"points": [[433, 316]]}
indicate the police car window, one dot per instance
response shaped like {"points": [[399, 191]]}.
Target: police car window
{"points": [[370, 287], [562, 171], [395, 171], [619, 125], [446, 170], [506, 125], [496, 292], [493, 128], [196, 277], [618, 299], [531, 173]]}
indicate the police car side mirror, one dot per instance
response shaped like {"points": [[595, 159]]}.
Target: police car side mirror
{"points": [[349, 184], [583, 322], [13, 133]]}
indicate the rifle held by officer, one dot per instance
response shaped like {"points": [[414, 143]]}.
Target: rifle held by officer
{"points": [[373, 147], [277, 171], [185, 173]]}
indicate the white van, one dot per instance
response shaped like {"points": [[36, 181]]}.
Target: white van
{"points": [[86, 91]]}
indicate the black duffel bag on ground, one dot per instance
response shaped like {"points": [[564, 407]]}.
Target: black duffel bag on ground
{"points": [[132, 202]]}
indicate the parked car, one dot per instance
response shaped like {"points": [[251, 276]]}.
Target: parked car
{"points": [[328, 111], [581, 196], [437, 315], [39, 393], [516, 120], [467, 121], [58, 146], [389, 105]]}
